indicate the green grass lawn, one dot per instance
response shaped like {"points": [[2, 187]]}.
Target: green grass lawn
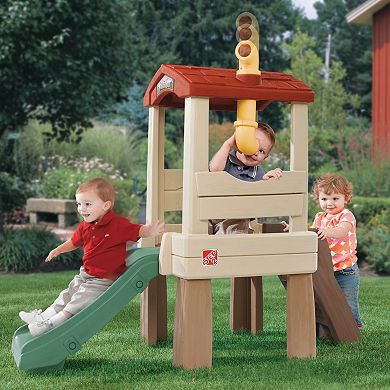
{"points": [[116, 358]]}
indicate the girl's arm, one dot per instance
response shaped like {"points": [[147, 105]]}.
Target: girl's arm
{"points": [[67, 246], [335, 232]]}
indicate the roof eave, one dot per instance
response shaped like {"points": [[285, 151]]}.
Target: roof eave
{"points": [[363, 14]]}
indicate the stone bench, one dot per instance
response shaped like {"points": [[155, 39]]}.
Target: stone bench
{"points": [[65, 209]]}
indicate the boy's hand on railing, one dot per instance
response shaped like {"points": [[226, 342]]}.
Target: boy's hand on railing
{"points": [[152, 230], [275, 173]]}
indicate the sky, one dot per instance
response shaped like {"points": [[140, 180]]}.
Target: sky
{"points": [[307, 5]]}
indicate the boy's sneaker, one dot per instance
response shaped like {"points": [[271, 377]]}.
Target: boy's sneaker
{"points": [[38, 328], [32, 316]]}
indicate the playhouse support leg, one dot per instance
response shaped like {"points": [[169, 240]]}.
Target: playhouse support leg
{"points": [[154, 311], [256, 304], [301, 325], [246, 304], [192, 342]]}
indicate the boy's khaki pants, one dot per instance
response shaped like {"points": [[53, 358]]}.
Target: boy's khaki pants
{"points": [[82, 291]]}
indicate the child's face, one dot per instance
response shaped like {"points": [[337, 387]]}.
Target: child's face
{"points": [[91, 207], [332, 203], [260, 155]]}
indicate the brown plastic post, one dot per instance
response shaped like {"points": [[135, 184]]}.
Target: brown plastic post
{"points": [[301, 326], [192, 342], [256, 304], [333, 316], [154, 311], [246, 304], [240, 303]]}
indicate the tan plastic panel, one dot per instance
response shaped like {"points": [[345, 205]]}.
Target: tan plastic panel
{"points": [[165, 256], [192, 245], [173, 227], [250, 206], [196, 150], [299, 156], [155, 177], [173, 179], [243, 266], [224, 184], [173, 200], [173, 189], [169, 228]]}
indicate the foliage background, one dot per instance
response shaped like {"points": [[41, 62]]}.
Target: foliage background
{"points": [[80, 68]]}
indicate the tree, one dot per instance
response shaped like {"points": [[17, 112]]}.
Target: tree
{"points": [[62, 61], [327, 111], [351, 44], [129, 113], [203, 33]]}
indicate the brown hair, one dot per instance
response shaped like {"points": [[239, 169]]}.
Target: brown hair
{"points": [[268, 131], [329, 183], [103, 189]]}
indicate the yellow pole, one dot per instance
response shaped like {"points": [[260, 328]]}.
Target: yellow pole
{"points": [[248, 56]]}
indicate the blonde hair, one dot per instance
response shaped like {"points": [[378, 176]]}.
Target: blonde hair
{"points": [[104, 190], [266, 129], [329, 183]]}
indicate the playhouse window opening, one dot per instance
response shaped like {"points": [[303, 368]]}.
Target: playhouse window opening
{"points": [[173, 217], [265, 220]]}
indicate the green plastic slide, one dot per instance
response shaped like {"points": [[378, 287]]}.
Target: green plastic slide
{"points": [[49, 350]]}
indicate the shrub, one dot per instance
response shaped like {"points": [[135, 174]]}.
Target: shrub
{"points": [[374, 246], [374, 241], [64, 176], [368, 179], [27, 153], [112, 145], [62, 182], [15, 217], [365, 208], [10, 195], [322, 149], [126, 201], [24, 250]]}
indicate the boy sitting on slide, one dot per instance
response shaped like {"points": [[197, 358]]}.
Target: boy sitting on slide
{"points": [[103, 235]]}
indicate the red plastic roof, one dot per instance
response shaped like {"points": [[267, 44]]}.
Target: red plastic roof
{"points": [[173, 83]]}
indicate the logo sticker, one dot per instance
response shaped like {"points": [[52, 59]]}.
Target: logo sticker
{"points": [[210, 257], [166, 83]]}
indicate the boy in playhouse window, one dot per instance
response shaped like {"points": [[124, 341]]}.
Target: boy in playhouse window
{"points": [[337, 225], [103, 235], [243, 167]]}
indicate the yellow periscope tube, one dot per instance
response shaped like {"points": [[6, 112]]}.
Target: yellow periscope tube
{"points": [[247, 143]]}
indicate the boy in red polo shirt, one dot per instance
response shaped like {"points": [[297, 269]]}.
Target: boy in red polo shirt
{"points": [[103, 235]]}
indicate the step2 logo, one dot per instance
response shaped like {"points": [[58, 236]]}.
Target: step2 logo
{"points": [[209, 257]]}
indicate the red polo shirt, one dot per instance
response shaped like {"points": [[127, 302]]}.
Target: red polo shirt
{"points": [[104, 244]]}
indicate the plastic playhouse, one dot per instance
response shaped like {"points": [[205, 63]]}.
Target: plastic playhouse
{"points": [[195, 257], [187, 250]]}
